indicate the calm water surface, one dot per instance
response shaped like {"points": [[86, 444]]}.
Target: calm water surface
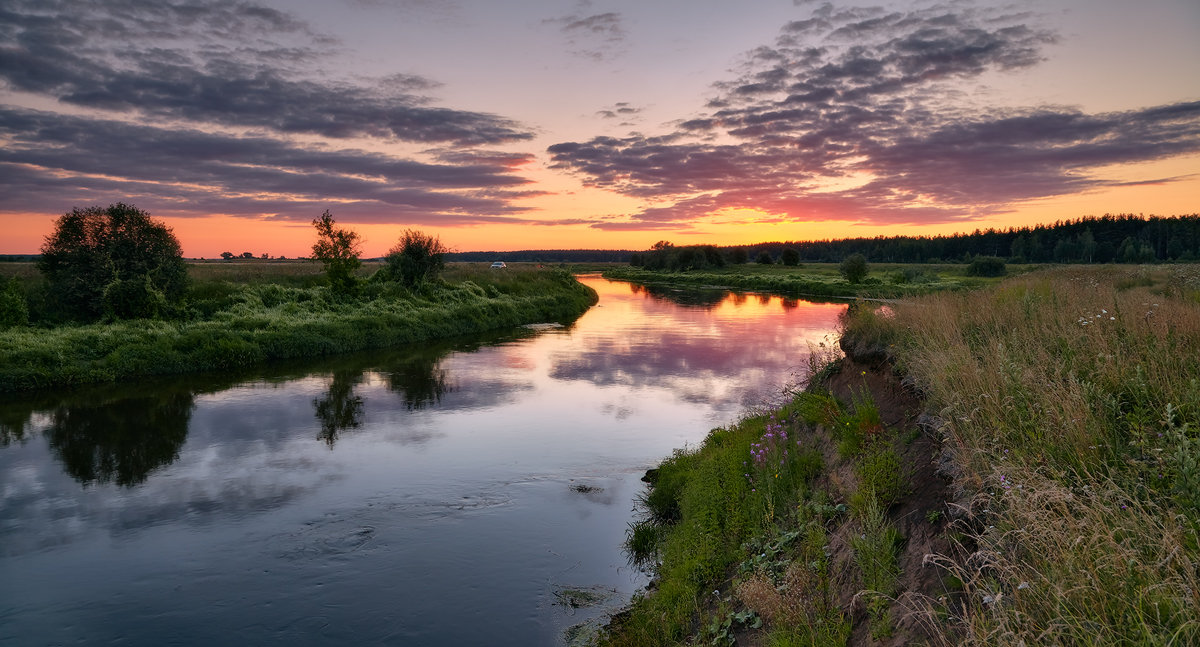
{"points": [[448, 494]]}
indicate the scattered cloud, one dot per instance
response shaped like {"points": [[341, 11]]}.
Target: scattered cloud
{"points": [[599, 36], [850, 115], [621, 110]]}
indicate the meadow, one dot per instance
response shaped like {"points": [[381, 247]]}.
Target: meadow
{"points": [[884, 280], [1018, 464], [241, 313]]}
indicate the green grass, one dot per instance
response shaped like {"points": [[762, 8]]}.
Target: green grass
{"points": [[1071, 400], [1071, 403], [817, 279], [236, 316], [707, 502]]}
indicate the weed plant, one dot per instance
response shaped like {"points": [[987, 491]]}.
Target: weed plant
{"points": [[1071, 401], [875, 555]]}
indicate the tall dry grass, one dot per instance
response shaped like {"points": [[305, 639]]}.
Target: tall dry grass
{"points": [[1071, 402]]}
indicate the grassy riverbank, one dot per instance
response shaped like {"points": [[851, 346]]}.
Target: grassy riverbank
{"points": [[1033, 479], [237, 314], [817, 279]]}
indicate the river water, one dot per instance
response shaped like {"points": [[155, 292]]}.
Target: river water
{"points": [[473, 492]]}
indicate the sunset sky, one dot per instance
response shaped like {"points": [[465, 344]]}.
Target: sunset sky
{"points": [[597, 124]]}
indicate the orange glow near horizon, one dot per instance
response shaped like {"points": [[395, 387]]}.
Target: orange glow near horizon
{"points": [[207, 237]]}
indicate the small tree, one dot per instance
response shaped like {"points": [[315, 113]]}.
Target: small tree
{"points": [[790, 257], [416, 258], [764, 258], [338, 251], [854, 268], [227, 255], [114, 262]]}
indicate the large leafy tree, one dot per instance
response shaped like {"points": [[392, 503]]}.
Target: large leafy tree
{"points": [[114, 262], [338, 251]]}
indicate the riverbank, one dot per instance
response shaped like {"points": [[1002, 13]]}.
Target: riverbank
{"points": [[883, 281], [1013, 464], [275, 313]]}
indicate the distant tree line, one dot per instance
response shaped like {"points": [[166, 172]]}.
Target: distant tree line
{"points": [[1122, 238], [545, 256]]}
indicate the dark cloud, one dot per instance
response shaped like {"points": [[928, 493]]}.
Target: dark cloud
{"points": [[82, 160], [227, 63], [191, 108], [620, 110], [597, 36], [859, 96]]}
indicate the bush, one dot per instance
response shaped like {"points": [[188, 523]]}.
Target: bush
{"points": [[854, 268], [415, 259], [986, 266], [135, 298], [790, 257], [115, 262], [764, 258], [13, 309]]}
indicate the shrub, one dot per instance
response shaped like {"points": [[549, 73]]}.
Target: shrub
{"points": [[415, 259], [986, 266], [13, 309], [854, 268], [135, 298], [764, 258], [115, 261], [790, 257]]}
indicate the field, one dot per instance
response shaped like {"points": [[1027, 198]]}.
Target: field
{"points": [[236, 314], [1018, 464], [884, 280]]}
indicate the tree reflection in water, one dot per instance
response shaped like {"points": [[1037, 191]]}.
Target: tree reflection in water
{"points": [[416, 375], [120, 441], [14, 421], [419, 378], [340, 408], [690, 297]]}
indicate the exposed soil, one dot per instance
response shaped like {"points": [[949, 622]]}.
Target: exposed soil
{"points": [[920, 516]]}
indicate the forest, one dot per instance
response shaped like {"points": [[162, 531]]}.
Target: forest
{"points": [[1122, 238]]}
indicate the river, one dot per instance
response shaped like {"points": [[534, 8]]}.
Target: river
{"points": [[473, 492]]}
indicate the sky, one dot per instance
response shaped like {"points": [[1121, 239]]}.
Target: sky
{"points": [[593, 124]]}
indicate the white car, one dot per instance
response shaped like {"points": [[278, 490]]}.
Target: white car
{"points": [[498, 265]]}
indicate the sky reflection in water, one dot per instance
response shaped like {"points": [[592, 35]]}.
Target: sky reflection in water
{"points": [[418, 495]]}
